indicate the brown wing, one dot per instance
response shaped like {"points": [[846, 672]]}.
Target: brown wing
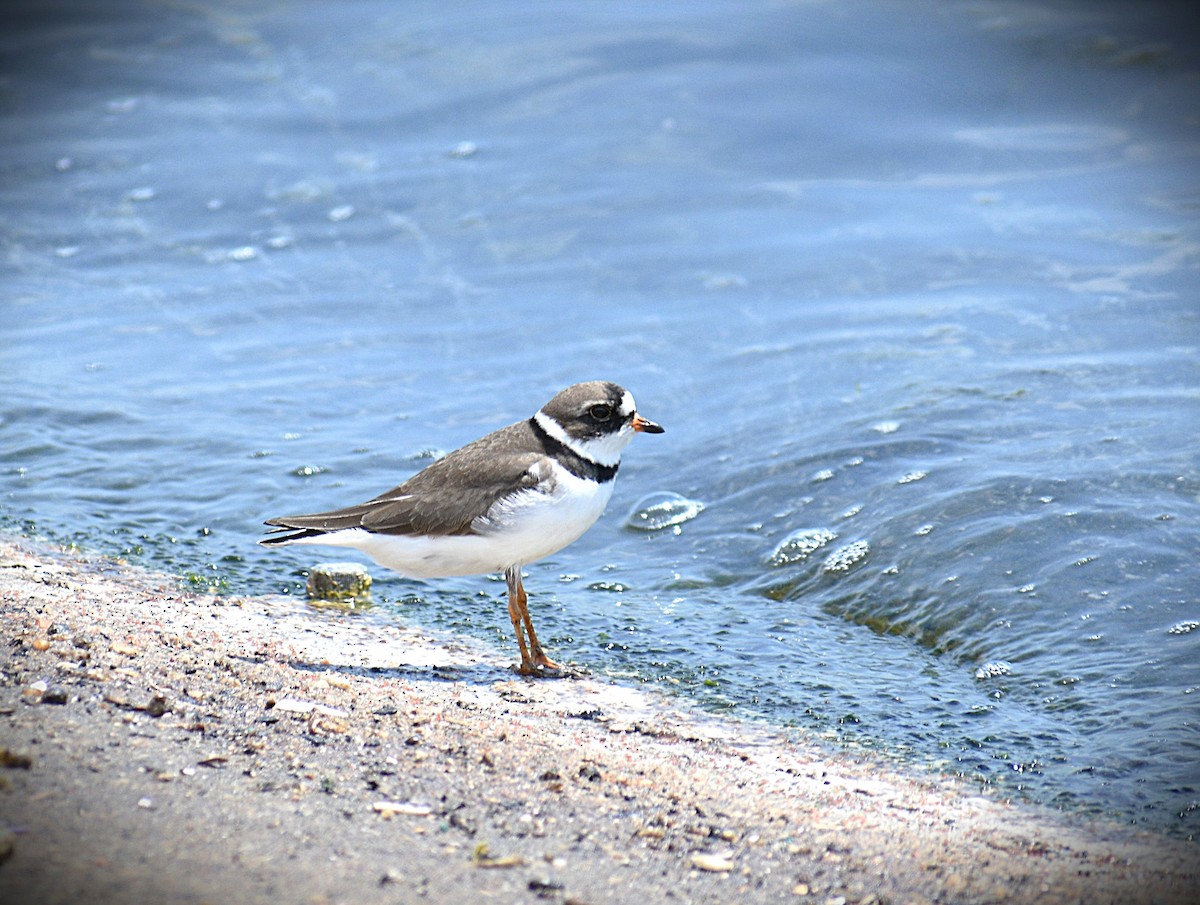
{"points": [[443, 499]]}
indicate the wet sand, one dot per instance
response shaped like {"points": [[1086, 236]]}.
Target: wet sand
{"points": [[163, 746]]}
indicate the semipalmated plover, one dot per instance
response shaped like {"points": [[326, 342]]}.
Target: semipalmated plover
{"points": [[507, 499]]}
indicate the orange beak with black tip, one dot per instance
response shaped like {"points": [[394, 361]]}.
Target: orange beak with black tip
{"points": [[645, 425]]}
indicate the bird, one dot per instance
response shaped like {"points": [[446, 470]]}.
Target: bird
{"points": [[510, 498]]}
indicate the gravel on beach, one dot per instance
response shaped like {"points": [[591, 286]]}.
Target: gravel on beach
{"points": [[159, 745]]}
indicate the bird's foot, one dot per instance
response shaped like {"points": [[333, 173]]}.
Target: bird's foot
{"points": [[547, 670]]}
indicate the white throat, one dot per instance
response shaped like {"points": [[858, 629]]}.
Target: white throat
{"points": [[604, 450]]}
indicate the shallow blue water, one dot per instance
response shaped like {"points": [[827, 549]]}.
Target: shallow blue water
{"points": [[923, 278]]}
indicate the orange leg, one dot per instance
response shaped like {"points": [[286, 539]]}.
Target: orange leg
{"points": [[516, 595], [515, 612]]}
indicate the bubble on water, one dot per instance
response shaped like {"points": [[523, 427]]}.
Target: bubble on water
{"points": [[993, 670], [886, 427], [844, 558], [344, 212], [656, 511], [1184, 627], [825, 474], [852, 511], [923, 530], [464, 149], [912, 476], [800, 545], [308, 471], [245, 253], [142, 193], [612, 587]]}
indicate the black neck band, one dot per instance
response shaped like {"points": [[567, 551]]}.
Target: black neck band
{"points": [[580, 466]]}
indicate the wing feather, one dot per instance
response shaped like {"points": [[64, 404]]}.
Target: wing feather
{"points": [[445, 498]]}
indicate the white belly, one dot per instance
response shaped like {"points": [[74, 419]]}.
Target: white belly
{"points": [[528, 527]]}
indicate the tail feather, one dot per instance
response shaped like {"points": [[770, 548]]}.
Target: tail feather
{"points": [[288, 529], [287, 534]]}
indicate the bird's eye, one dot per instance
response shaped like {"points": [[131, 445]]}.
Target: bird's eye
{"points": [[600, 412]]}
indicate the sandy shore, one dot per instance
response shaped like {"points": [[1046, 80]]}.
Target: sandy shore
{"points": [[160, 746]]}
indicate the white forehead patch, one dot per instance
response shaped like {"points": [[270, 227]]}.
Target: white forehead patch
{"points": [[627, 406]]}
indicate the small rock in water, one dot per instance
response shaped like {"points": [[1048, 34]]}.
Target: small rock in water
{"points": [[339, 581], [656, 511], [800, 545]]}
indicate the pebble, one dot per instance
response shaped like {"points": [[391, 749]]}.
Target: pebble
{"points": [[403, 808], [712, 863], [55, 694], [295, 705], [15, 760], [483, 859]]}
